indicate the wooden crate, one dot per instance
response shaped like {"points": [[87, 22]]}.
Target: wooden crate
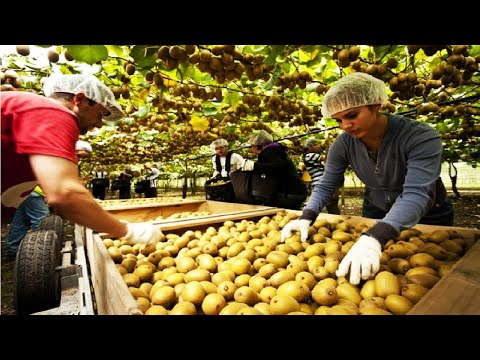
{"points": [[122, 204], [458, 292], [112, 296], [149, 212]]}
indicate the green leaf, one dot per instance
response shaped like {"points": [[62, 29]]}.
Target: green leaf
{"points": [[141, 112], [303, 56], [114, 49], [89, 54], [441, 127], [330, 122], [276, 49], [144, 56], [230, 129], [232, 98], [210, 111], [381, 51]]}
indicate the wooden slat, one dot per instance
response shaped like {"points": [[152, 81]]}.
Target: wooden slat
{"points": [[111, 293], [458, 292], [136, 213]]}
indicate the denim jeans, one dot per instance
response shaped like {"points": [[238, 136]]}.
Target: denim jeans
{"points": [[29, 214], [440, 214]]}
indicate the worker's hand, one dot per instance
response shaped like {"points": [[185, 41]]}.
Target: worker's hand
{"points": [[145, 233], [301, 225], [363, 259], [248, 165]]}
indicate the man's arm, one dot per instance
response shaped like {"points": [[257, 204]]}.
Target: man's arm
{"points": [[66, 193]]}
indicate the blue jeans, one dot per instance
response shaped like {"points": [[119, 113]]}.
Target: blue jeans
{"points": [[29, 214]]}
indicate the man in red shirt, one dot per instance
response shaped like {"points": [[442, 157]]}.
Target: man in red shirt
{"points": [[38, 147]]}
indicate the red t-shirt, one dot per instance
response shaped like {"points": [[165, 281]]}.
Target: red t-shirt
{"points": [[31, 124]]}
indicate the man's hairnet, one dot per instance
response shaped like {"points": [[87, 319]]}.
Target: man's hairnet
{"points": [[218, 142], [81, 145], [260, 138], [356, 89], [88, 85], [310, 142]]}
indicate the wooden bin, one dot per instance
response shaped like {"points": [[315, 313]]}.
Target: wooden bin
{"points": [[112, 296], [149, 212], [458, 292]]}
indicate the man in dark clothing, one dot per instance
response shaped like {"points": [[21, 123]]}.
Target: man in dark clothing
{"points": [[100, 182], [125, 183], [275, 181], [152, 175]]}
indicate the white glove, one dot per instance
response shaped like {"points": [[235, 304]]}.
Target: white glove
{"points": [[248, 165], [363, 259], [301, 225], [145, 233]]}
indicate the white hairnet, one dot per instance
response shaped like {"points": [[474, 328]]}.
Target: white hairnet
{"points": [[81, 145], [310, 142], [88, 85], [260, 138], [218, 142], [356, 89]]}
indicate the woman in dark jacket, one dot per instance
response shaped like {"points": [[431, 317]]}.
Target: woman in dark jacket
{"points": [[275, 181]]}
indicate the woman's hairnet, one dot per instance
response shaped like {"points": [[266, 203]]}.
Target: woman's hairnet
{"points": [[356, 89], [88, 85], [260, 138], [218, 142]]}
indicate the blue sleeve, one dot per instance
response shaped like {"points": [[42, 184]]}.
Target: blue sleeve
{"points": [[418, 196]]}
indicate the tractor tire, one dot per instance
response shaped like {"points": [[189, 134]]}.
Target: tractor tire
{"points": [[37, 276], [55, 223]]}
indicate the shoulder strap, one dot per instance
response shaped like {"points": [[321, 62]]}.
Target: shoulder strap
{"points": [[218, 165], [227, 162]]}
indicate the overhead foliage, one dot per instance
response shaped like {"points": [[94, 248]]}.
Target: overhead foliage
{"points": [[178, 98]]}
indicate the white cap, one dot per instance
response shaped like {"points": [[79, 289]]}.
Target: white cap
{"points": [[88, 85], [260, 138], [218, 142], [83, 146], [353, 90]]}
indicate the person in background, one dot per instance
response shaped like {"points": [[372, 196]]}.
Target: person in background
{"points": [[152, 176], [28, 215], [313, 162], [397, 158], [38, 148], [125, 183], [275, 180], [100, 182], [224, 162]]}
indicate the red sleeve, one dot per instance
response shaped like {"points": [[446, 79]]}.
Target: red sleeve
{"points": [[47, 132]]}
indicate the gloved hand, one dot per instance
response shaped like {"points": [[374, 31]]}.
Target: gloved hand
{"points": [[248, 165], [363, 259], [301, 225], [145, 233]]}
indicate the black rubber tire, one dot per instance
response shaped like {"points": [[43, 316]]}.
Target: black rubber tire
{"points": [[36, 278], [55, 223]]}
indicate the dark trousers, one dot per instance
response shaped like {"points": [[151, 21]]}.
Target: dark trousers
{"points": [[440, 214], [124, 193], [151, 192], [98, 192]]}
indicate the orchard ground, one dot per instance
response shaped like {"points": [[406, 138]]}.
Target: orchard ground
{"points": [[467, 214]]}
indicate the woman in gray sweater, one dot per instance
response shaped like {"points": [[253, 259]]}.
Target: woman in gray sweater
{"points": [[397, 158]]}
